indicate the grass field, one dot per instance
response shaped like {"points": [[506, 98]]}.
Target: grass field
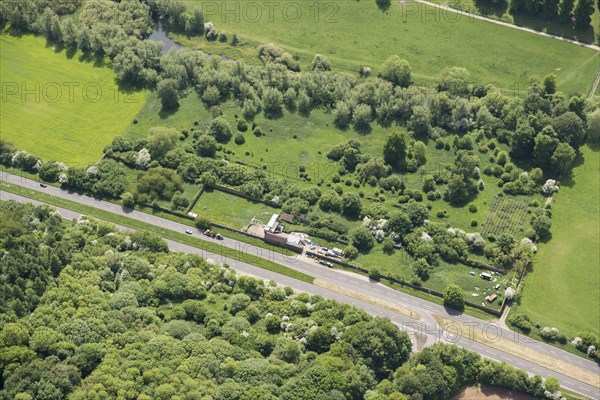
{"points": [[59, 106], [399, 263], [563, 290], [235, 212], [430, 39]]}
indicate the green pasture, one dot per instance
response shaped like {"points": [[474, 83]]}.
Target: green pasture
{"points": [[60, 105], [563, 288]]}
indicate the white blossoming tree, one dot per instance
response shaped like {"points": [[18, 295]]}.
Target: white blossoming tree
{"points": [[143, 159]]}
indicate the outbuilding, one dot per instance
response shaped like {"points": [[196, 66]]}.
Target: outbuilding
{"points": [[491, 297], [273, 224], [288, 218], [486, 276]]}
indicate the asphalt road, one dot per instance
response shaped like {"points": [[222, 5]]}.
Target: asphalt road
{"points": [[426, 327]]}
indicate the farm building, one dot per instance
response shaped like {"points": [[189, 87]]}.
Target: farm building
{"points": [[273, 224], [288, 218], [290, 242], [275, 239]]}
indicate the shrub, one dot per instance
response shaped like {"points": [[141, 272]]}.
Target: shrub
{"points": [[362, 239], [258, 132], [522, 322], [201, 222], [474, 223], [240, 139], [179, 202], [374, 274], [550, 334], [388, 245], [453, 296], [242, 125], [473, 208], [351, 252]]}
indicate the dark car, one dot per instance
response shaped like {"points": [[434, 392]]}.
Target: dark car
{"points": [[43, 185]]}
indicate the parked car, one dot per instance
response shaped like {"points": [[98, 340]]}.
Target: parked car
{"points": [[472, 273], [189, 231], [43, 185]]}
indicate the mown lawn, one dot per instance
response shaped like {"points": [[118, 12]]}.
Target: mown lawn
{"points": [[352, 34], [563, 290], [58, 105]]}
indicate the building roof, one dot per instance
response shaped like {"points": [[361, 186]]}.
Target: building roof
{"points": [[289, 218], [276, 239], [272, 225]]}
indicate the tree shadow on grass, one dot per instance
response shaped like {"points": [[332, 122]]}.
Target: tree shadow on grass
{"points": [[546, 238], [70, 53], [274, 115], [363, 129], [384, 5], [556, 27], [453, 311], [165, 113], [491, 8], [14, 32], [568, 180], [97, 60]]}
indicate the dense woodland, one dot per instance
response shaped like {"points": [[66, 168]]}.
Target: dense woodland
{"points": [[88, 312]]}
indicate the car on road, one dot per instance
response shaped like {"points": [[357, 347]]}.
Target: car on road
{"points": [[326, 263], [189, 231], [43, 185]]}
